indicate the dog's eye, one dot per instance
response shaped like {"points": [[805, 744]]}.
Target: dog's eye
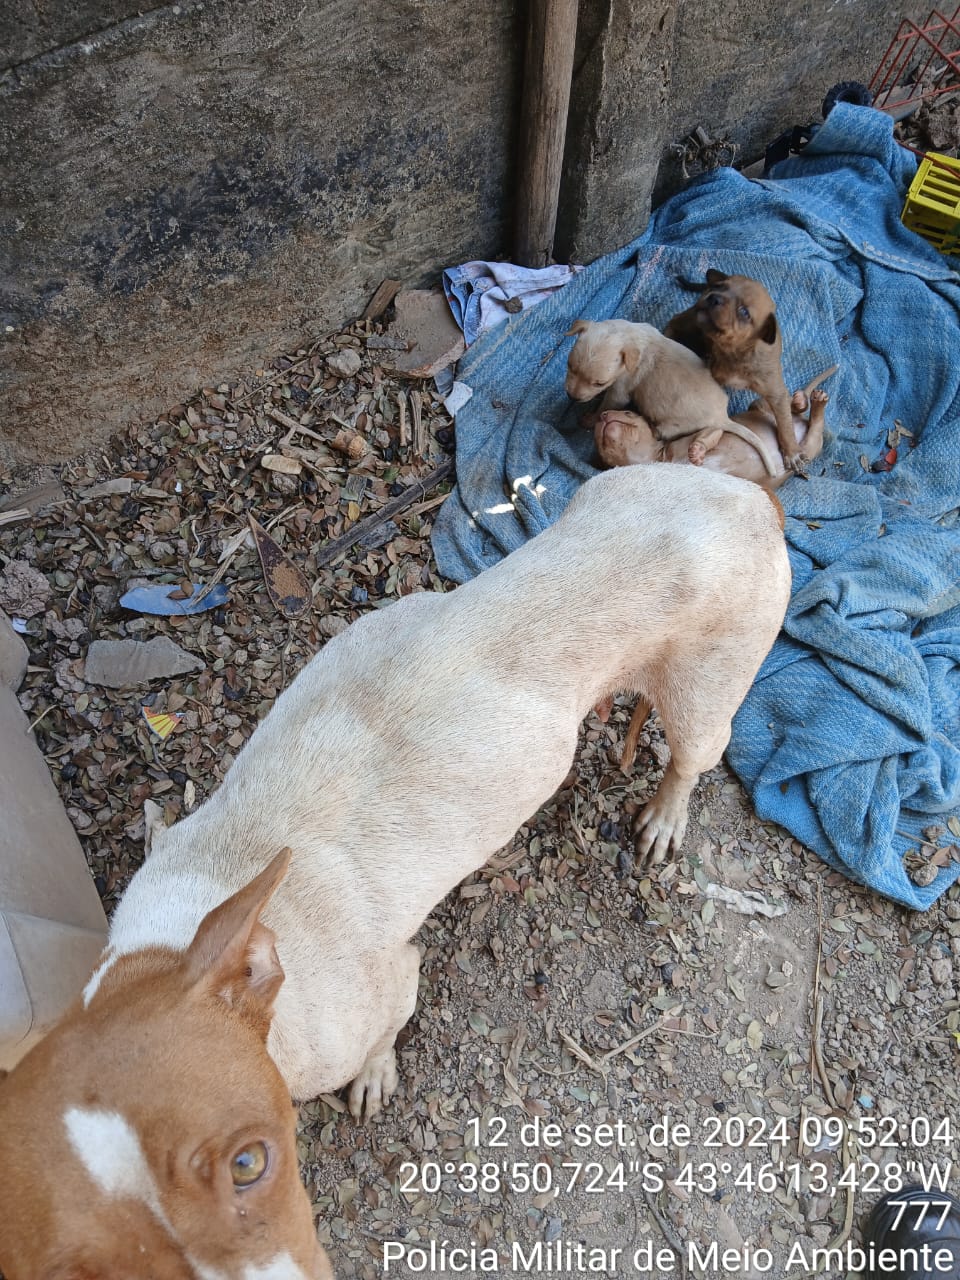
{"points": [[743, 313], [249, 1164]]}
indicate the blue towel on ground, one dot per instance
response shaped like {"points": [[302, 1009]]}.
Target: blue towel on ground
{"points": [[850, 737]]}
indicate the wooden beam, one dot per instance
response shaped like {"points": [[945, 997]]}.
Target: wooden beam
{"points": [[547, 73]]}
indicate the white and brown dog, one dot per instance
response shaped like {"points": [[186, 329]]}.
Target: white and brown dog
{"points": [[151, 1134], [634, 366]]}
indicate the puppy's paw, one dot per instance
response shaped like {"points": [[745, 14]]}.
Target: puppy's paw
{"points": [[660, 827], [374, 1086], [696, 453], [819, 396], [796, 463], [798, 402]]}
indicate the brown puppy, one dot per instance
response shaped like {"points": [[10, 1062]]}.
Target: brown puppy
{"points": [[733, 327], [624, 439]]}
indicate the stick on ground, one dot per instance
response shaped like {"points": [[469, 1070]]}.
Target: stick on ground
{"points": [[415, 493]]}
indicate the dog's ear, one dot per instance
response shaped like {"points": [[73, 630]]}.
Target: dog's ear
{"points": [[233, 954], [631, 358], [769, 330], [578, 326], [716, 277]]}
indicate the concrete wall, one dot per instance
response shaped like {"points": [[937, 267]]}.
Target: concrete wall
{"points": [[185, 192]]}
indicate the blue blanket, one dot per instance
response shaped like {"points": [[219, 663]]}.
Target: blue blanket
{"points": [[850, 737]]}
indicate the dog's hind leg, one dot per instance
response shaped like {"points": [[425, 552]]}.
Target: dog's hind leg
{"points": [[813, 440], [378, 1078], [703, 442], [641, 713], [696, 696], [671, 430], [660, 826]]}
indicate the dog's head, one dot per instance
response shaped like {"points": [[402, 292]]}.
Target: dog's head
{"points": [[150, 1132], [598, 358], [736, 314], [623, 439]]}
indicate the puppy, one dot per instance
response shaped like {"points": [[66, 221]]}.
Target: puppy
{"points": [[733, 327], [635, 365], [624, 439]]}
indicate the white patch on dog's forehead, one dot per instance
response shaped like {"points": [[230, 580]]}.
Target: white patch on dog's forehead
{"points": [[282, 1267], [108, 1148]]}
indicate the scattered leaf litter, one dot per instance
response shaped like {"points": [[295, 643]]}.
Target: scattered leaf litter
{"points": [[562, 984]]}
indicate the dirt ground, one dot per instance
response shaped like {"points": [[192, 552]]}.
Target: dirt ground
{"points": [[609, 1072]]}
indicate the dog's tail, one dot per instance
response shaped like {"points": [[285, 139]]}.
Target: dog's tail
{"points": [[821, 377]]}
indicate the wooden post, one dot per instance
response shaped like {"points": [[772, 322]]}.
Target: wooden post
{"points": [[547, 72]]}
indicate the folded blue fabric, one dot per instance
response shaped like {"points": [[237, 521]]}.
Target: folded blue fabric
{"points": [[850, 737]]}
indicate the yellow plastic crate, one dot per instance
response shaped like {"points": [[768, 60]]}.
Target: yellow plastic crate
{"points": [[933, 203]]}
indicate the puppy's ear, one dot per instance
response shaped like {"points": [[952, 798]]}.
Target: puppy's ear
{"points": [[578, 326], [716, 277], [631, 358], [768, 330]]}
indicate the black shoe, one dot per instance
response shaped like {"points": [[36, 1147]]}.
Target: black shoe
{"points": [[921, 1231]]}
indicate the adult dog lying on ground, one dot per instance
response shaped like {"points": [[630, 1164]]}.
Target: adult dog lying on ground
{"points": [[634, 365], [625, 439], [151, 1122], [733, 327]]}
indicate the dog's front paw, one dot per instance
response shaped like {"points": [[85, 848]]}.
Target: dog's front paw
{"points": [[819, 396], [375, 1085], [798, 402], [660, 827], [696, 453]]}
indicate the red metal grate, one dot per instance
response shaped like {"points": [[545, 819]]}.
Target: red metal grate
{"points": [[922, 62]]}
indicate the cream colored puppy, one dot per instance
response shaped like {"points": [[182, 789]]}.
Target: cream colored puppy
{"points": [[634, 365], [416, 742]]}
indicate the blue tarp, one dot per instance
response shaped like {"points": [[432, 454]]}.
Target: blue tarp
{"points": [[850, 737]]}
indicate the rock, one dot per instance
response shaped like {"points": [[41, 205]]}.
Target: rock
{"points": [[161, 551], [64, 628], [424, 321], [127, 664], [13, 655], [122, 485], [24, 590], [923, 875], [331, 624], [941, 971], [35, 500], [345, 364]]}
